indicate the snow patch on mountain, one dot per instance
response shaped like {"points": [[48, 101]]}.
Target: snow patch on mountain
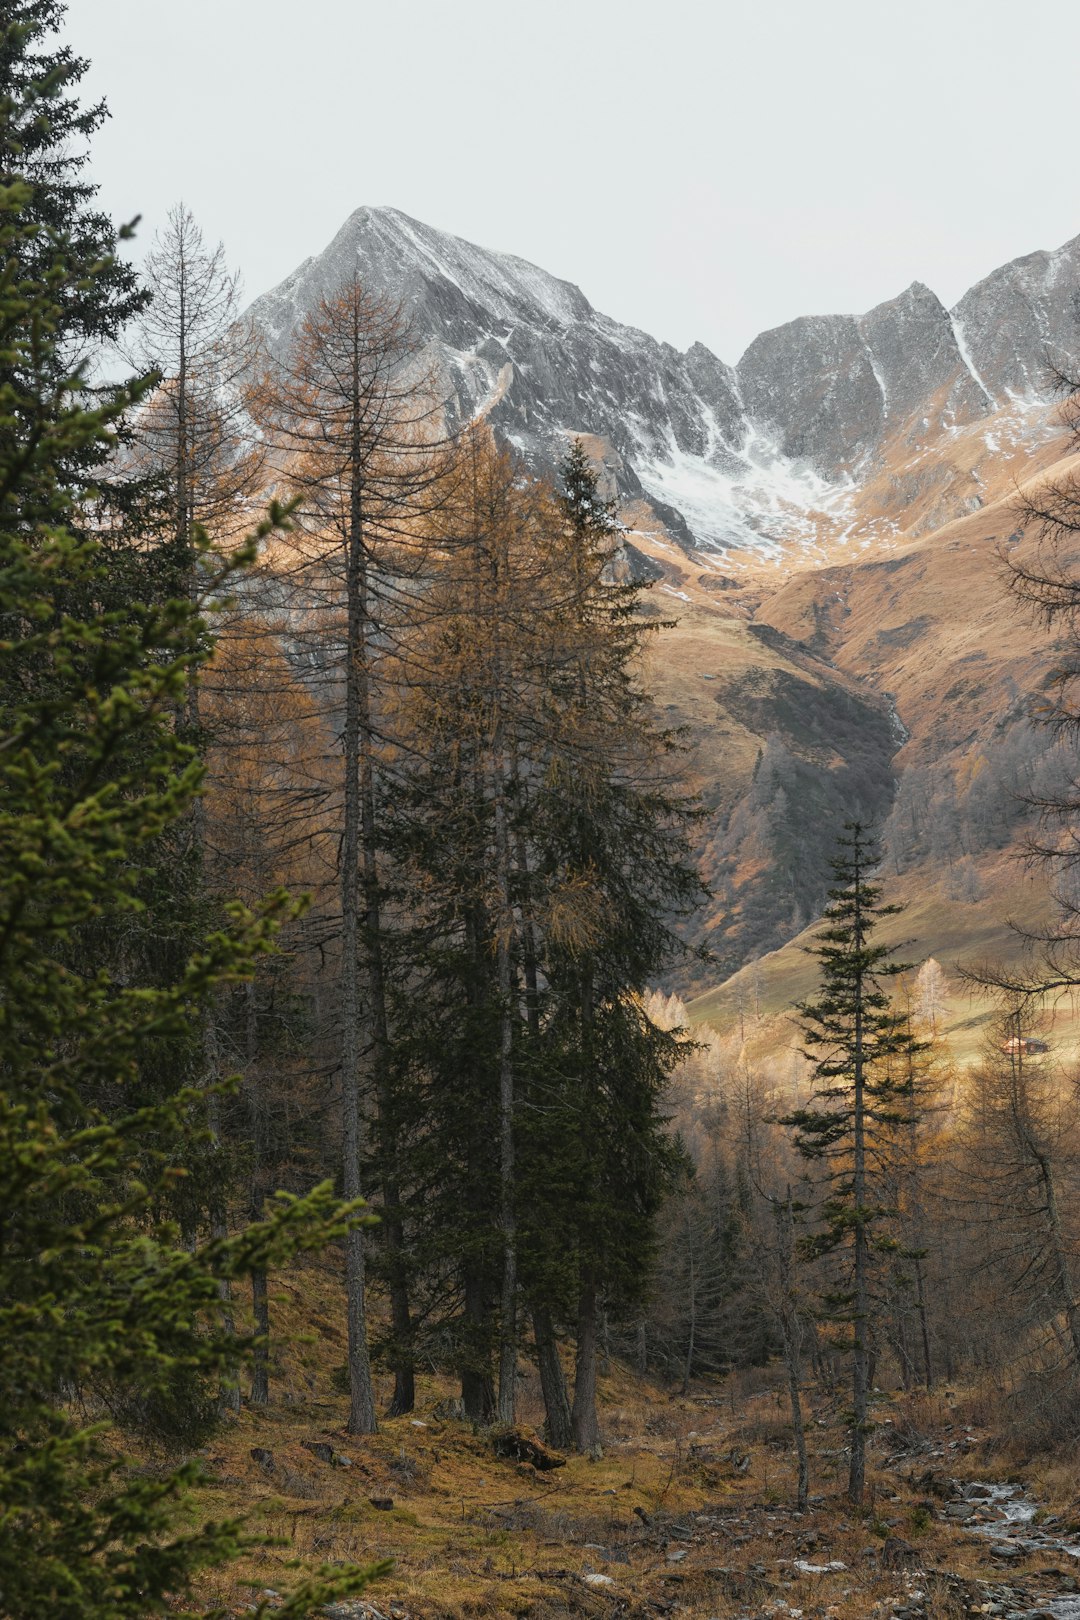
{"points": [[766, 458]]}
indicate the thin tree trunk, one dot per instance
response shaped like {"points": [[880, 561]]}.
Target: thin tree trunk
{"points": [[260, 1363], [924, 1323], [504, 935], [860, 1358], [688, 1363], [586, 1428], [477, 1387], [1060, 1253], [793, 1361], [260, 1300], [903, 1354], [791, 1334], [361, 1392], [477, 1390], [391, 1229], [560, 1433], [229, 1394], [508, 1338]]}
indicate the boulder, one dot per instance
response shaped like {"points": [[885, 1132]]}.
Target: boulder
{"points": [[524, 1446]]}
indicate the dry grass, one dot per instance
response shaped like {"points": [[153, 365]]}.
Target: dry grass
{"points": [[473, 1536]]}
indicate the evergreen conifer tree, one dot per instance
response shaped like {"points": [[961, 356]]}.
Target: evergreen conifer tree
{"points": [[101, 1305], [854, 1037], [44, 136]]}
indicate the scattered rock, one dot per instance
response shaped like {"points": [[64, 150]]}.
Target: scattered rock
{"points": [[383, 1503], [452, 1410], [1004, 1549], [595, 1579], [319, 1448], [264, 1458]]}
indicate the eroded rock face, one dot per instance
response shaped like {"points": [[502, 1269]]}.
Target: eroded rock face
{"points": [[1018, 313], [811, 383], [917, 358], [750, 456]]}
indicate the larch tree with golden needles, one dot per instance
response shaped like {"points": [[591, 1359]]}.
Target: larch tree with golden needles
{"points": [[472, 710], [540, 841], [267, 826], [352, 417]]}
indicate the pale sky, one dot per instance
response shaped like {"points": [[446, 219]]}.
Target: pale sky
{"points": [[701, 170]]}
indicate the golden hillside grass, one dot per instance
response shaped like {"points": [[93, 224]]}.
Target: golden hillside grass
{"points": [[470, 1535]]}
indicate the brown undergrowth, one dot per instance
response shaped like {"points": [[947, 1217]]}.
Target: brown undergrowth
{"points": [[689, 1512]]}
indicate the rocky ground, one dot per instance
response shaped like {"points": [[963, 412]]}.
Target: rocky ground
{"points": [[690, 1513]]}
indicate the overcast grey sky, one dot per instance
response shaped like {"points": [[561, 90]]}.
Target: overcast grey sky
{"points": [[702, 170]]}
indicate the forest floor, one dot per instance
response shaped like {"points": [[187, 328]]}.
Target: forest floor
{"points": [[689, 1513]]}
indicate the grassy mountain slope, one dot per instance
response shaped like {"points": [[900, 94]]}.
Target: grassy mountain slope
{"points": [[898, 686]]}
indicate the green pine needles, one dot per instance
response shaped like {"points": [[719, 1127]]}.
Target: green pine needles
{"points": [[856, 1040], [103, 1309]]}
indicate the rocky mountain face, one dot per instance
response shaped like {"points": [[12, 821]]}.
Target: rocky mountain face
{"points": [[817, 438], [824, 521]]}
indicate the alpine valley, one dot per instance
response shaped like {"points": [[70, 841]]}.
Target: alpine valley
{"points": [[825, 523]]}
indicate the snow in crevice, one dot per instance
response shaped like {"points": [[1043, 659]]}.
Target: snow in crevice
{"points": [[879, 377], [965, 355]]}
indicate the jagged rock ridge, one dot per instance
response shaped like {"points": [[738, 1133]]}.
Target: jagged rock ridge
{"points": [[767, 456]]}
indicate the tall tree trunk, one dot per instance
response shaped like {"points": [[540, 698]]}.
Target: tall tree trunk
{"points": [[586, 1428], [508, 1338], [560, 1433], [1067, 1300], [260, 1362], [691, 1332], [391, 1227], [229, 1394], [477, 1389], [924, 1322], [791, 1334], [260, 1299], [861, 1303], [361, 1391]]}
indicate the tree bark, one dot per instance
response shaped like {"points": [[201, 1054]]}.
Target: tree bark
{"points": [[477, 1388], [508, 1339], [260, 1364], [361, 1391], [586, 1428], [860, 1357], [688, 1363], [924, 1323], [791, 1334], [391, 1227], [558, 1426]]}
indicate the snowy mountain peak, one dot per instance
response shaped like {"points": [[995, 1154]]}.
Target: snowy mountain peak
{"points": [[767, 456]]}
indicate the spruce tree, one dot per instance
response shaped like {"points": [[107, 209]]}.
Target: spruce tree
{"points": [[609, 833], [101, 1305], [854, 1038], [44, 136]]}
